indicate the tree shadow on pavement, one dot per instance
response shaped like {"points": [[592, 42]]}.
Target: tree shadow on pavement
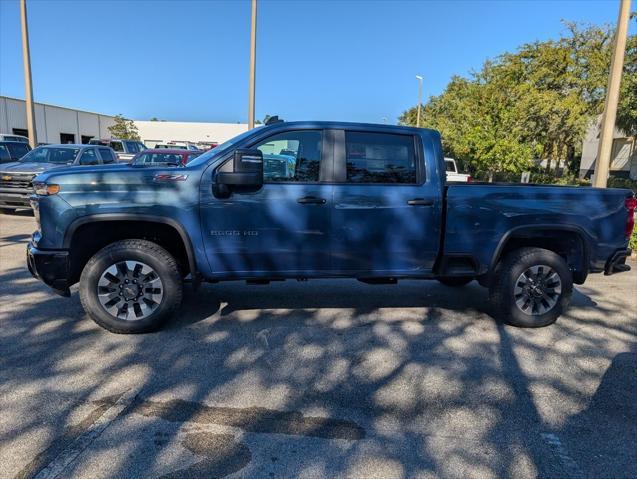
{"points": [[248, 379]]}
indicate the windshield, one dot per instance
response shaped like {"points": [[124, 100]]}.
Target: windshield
{"points": [[203, 158], [5, 157], [51, 155]]}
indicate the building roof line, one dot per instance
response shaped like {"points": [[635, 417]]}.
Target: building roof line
{"points": [[58, 106]]}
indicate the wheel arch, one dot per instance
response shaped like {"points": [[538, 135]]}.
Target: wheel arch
{"points": [[569, 241], [105, 219]]}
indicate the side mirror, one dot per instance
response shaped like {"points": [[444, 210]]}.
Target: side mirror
{"points": [[247, 174]]}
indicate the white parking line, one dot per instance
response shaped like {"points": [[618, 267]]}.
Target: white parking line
{"points": [[73, 450]]}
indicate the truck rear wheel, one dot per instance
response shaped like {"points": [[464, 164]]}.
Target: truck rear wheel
{"points": [[531, 288], [131, 286]]}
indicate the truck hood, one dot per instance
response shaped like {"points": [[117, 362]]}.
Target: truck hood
{"points": [[74, 170], [28, 167], [115, 173]]}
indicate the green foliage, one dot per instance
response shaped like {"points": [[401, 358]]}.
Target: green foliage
{"points": [[534, 104], [632, 244], [124, 129], [615, 182], [627, 111]]}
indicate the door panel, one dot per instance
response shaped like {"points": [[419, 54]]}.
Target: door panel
{"points": [[284, 227], [382, 228]]}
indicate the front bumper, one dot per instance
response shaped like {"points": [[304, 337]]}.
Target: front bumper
{"points": [[15, 199], [51, 267], [617, 262]]}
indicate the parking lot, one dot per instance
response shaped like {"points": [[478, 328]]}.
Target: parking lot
{"points": [[316, 379]]}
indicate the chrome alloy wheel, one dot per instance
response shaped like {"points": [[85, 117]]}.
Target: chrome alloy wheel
{"points": [[537, 290], [130, 290]]}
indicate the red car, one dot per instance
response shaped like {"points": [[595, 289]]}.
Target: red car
{"points": [[165, 157]]}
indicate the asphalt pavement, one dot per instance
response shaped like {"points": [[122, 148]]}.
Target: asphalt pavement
{"points": [[318, 379]]}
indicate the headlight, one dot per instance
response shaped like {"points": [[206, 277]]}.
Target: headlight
{"points": [[44, 189]]}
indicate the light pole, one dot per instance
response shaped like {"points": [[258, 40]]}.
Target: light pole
{"points": [[253, 61], [28, 88], [612, 97], [419, 78]]}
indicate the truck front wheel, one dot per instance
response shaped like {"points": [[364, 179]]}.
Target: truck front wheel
{"points": [[531, 288], [131, 286]]}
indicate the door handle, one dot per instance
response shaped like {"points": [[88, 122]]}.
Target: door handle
{"points": [[420, 202], [311, 200]]}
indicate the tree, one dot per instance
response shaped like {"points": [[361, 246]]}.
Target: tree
{"points": [[627, 111], [124, 129], [534, 104]]}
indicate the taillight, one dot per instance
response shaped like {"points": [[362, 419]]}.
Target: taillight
{"points": [[630, 204]]}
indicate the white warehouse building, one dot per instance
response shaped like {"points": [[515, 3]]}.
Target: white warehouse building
{"points": [[56, 124], [202, 134], [53, 124]]}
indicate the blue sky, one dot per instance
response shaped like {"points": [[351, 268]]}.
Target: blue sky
{"points": [[339, 60]]}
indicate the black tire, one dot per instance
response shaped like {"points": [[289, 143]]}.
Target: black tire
{"points": [[151, 254], [455, 281], [507, 274]]}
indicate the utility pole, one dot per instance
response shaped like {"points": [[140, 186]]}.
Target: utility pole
{"points": [[419, 78], [28, 88], [612, 97], [253, 61]]}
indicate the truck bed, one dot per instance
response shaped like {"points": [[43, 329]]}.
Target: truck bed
{"points": [[481, 217]]}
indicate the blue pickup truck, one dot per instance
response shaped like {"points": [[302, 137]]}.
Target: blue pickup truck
{"points": [[361, 201]]}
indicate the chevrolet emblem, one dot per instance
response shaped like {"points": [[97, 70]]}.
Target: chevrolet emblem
{"points": [[6, 178]]}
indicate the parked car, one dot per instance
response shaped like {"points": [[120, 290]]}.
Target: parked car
{"points": [[16, 149], [363, 201], [125, 149], [452, 172], [11, 137], [177, 145], [164, 157], [16, 177]]}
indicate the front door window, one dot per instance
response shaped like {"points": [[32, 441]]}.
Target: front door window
{"points": [[293, 156]]}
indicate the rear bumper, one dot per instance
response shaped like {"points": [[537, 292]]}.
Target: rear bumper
{"points": [[617, 262], [51, 267]]}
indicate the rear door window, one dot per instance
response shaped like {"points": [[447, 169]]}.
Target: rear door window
{"points": [[89, 157], [107, 155], [117, 146], [380, 158]]}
